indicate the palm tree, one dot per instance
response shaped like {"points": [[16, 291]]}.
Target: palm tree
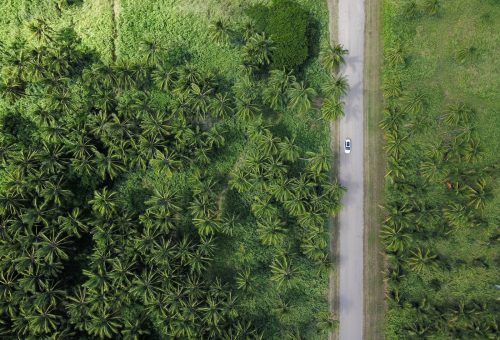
{"points": [[221, 106], [63, 100], [219, 31], [103, 323], [327, 321], [238, 180], [152, 50], [212, 313], [271, 231], [333, 57], [247, 110], [6, 150], [420, 259], [432, 7], [398, 214], [478, 194], [458, 216], [147, 286], [166, 162], [164, 76], [395, 144], [314, 246], [52, 247], [43, 320], [198, 262], [300, 97], [12, 89], [393, 118], [40, 30], [410, 9], [473, 151], [156, 123], [244, 280], [332, 109], [458, 114], [16, 183], [415, 102], [206, 226], [127, 76], [37, 213], [275, 93], [267, 145], [295, 205], [282, 308], [49, 294], [467, 53], [393, 88], [282, 272], [337, 86], [394, 238], [110, 164], [133, 329], [56, 193], [104, 202], [249, 29], [287, 150], [319, 162], [395, 55], [258, 50], [163, 200]]}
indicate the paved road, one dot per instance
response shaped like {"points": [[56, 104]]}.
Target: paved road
{"points": [[351, 35]]}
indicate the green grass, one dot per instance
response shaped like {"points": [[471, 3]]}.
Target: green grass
{"points": [[182, 24], [434, 68], [92, 20]]}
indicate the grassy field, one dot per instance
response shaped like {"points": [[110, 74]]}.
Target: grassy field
{"points": [[183, 25], [92, 20], [434, 68], [443, 58]]}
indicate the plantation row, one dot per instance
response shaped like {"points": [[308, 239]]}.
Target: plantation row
{"points": [[439, 243], [86, 250]]}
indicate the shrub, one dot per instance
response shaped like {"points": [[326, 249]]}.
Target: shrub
{"points": [[287, 23]]}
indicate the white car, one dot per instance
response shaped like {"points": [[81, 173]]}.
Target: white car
{"points": [[347, 145]]}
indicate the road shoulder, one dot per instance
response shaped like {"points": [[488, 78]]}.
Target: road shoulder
{"points": [[374, 306]]}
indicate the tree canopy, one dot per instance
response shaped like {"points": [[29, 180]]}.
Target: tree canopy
{"points": [[123, 186]]}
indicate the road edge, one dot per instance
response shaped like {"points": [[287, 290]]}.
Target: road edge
{"points": [[333, 287]]}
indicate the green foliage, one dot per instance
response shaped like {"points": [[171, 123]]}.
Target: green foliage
{"points": [[287, 23], [333, 57], [130, 190], [441, 192]]}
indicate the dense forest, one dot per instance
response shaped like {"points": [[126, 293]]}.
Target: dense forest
{"points": [[441, 228], [154, 199]]}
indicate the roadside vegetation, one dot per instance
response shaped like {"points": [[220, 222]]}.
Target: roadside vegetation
{"points": [[442, 132], [159, 195]]}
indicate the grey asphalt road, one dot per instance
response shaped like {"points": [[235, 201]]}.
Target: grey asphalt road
{"points": [[351, 26]]}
